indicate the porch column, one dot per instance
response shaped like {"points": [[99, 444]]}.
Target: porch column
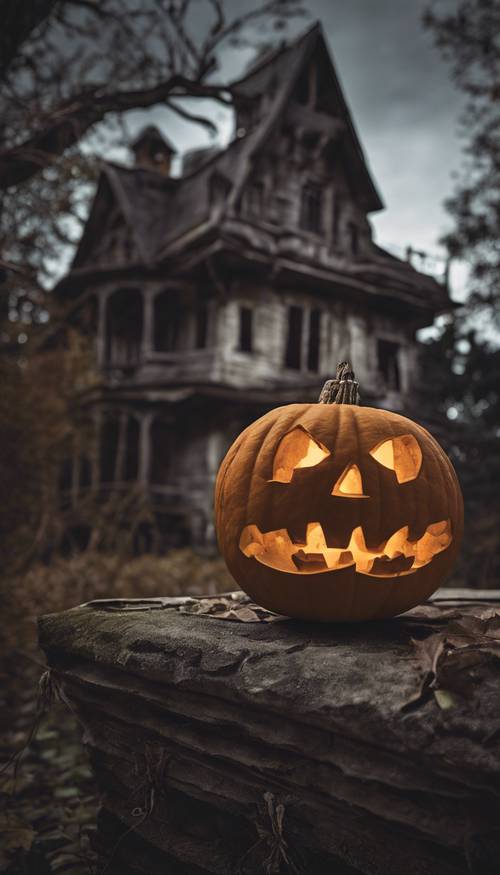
{"points": [[147, 322], [145, 448]]}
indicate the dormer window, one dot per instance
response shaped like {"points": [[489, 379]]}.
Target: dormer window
{"points": [[311, 208]]}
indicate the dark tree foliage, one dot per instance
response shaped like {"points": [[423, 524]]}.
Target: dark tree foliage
{"points": [[469, 37], [462, 367]]}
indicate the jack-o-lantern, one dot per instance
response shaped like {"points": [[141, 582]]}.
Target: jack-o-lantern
{"points": [[332, 511]]}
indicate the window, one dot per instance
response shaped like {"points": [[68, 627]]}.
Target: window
{"points": [[85, 474], [314, 340], [201, 326], [293, 352], [110, 429], [337, 209], [124, 328], [131, 449], [310, 211], [302, 89], [254, 199], [354, 238], [167, 321], [162, 451], [388, 363], [246, 329]]}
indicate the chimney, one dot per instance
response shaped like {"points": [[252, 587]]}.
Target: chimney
{"points": [[153, 151]]}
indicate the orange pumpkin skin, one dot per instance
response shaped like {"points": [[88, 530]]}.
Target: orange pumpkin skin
{"points": [[246, 495]]}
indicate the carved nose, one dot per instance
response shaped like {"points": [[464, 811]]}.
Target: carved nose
{"points": [[350, 484]]}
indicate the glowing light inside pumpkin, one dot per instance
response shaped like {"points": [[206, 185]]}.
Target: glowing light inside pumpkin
{"points": [[350, 484], [395, 557], [401, 454], [296, 450]]}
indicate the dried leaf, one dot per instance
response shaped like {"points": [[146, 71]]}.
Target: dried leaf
{"points": [[444, 699], [428, 652], [446, 659], [233, 606]]}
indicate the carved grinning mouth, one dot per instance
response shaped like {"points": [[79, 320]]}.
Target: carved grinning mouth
{"points": [[395, 557]]}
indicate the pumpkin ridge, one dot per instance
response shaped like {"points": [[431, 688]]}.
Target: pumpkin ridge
{"points": [[252, 469], [219, 486], [275, 422]]}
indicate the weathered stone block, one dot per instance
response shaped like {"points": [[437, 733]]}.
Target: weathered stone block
{"points": [[225, 747]]}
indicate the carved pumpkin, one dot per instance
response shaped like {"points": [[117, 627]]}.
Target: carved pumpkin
{"points": [[332, 511]]}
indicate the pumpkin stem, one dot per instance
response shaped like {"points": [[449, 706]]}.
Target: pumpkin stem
{"points": [[343, 389]]}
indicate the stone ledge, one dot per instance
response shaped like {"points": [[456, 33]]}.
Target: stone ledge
{"points": [[321, 748]]}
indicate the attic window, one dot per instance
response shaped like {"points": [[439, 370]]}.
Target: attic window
{"points": [[311, 208], [354, 238], [254, 199], [302, 89]]}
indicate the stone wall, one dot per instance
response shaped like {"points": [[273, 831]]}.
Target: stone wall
{"points": [[226, 740]]}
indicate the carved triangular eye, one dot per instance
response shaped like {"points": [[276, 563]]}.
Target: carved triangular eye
{"points": [[349, 484], [401, 454], [298, 449]]}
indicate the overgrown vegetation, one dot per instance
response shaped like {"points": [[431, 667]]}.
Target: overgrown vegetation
{"points": [[47, 815]]}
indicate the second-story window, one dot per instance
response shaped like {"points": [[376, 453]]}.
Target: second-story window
{"points": [[293, 351], [388, 363], [311, 208], [201, 326], [245, 343], [313, 340], [167, 321]]}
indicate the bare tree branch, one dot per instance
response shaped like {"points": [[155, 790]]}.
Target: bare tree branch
{"points": [[19, 19], [71, 120], [191, 117]]}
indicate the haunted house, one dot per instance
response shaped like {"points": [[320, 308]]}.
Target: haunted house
{"points": [[237, 286]]}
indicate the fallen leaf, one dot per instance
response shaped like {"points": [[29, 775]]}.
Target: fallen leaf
{"points": [[445, 699]]}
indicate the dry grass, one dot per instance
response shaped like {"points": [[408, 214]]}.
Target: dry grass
{"points": [[91, 575]]}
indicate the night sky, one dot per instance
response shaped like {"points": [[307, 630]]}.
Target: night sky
{"points": [[403, 102]]}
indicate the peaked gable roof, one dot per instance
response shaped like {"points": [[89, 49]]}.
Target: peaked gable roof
{"points": [[283, 69], [142, 197]]}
